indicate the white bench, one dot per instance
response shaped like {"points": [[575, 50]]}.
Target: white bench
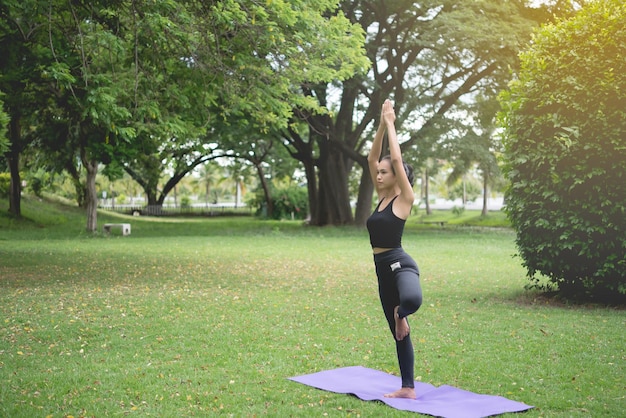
{"points": [[125, 228]]}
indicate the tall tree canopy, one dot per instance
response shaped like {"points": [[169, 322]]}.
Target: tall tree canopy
{"points": [[565, 121], [250, 59], [150, 87], [433, 58], [145, 84], [22, 36]]}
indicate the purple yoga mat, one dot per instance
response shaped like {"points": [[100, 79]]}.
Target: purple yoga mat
{"points": [[443, 401]]}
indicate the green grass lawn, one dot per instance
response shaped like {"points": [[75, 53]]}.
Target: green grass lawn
{"points": [[211, 316]]}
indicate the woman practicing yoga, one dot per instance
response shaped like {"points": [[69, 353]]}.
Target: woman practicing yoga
{"points": [[398, 275]]}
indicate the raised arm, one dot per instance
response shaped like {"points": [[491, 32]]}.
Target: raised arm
{"points": [[376, 151], [406, 190]]}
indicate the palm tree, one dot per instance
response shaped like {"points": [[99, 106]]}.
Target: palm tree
{"points": [[209, 175]]}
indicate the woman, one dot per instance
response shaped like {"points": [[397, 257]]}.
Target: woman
{"points": [[398, 275]]}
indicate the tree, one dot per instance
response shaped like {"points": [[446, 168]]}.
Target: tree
{"points": [[263, 150], [120, 82], [431, 57], [62, 72], [478, 145], [22, 34], [171, 96], [256, 153], [247, 58], [143, 85], [565, 147], [92, 82]]}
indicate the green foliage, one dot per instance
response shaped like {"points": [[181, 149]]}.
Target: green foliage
{"points": [[270, 49], [458, 210], [470, 187], [120, 199], [4, 122], [289, 202], [185, 202], [5, 184], [565, 121], [39, 181]]}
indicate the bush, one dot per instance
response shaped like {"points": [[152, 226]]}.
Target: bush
{"points": [[288, 202], [565, 147], [120, 199], [5, 184], [38, 181], [185, 202], [4, 122], [458, 210]]}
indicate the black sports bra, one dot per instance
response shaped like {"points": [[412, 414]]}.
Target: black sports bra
{"points": [[385, 227]]}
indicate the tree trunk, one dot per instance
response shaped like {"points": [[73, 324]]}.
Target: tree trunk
{"points": [[148, 178], [426, 192], [149, 185], [485, 192], [151, 195], [311, 185], [15, 189], [13, 159], [79, 188], [91, 198], [266, 191], [333, 205]]}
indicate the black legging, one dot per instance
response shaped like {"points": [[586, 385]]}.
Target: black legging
{"points": [[399, 285]]}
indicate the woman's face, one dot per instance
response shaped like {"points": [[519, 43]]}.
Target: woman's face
{"points": [[384, 176]]}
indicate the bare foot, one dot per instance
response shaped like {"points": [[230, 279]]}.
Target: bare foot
{"points": [[408, 393], [402, 326]]}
